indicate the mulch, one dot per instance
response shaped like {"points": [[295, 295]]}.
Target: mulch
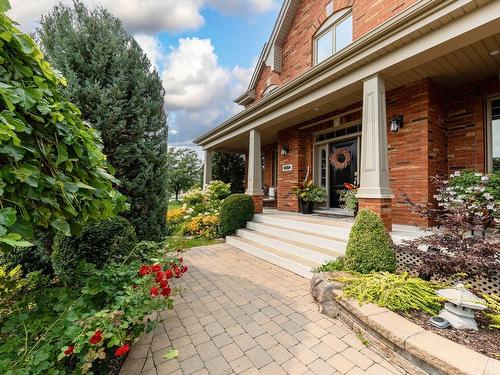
{"points": [[485, 341]]}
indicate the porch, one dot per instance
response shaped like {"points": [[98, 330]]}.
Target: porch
{"points": [[422, 102], [300, 243]]}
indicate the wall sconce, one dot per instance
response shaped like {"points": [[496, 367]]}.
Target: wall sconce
{"points": [[396, 123], [284, 150]]}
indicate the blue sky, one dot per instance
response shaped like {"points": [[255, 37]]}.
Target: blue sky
{"points": [[204, 51]]}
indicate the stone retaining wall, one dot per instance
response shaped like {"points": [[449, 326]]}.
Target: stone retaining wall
{"points": [[404, 343]]}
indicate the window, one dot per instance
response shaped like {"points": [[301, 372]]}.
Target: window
{"points": [[494, 134], [333, 36]]}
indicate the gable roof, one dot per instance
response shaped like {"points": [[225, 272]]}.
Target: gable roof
{"points": [[271, 54]]}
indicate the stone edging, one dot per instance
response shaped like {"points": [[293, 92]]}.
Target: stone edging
{"points": [[406, 344]]}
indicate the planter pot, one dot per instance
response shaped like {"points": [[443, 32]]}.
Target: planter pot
{"points": [[306, 207]]}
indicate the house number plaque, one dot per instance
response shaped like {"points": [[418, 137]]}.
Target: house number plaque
{"points": [[286, 168]]}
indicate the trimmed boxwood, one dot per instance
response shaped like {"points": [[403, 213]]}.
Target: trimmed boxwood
{"points": [[101, 243], [370, 247], [235, 211]]}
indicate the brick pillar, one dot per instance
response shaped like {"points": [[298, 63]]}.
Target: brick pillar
{"points": [[381, 206], [258, 202]]}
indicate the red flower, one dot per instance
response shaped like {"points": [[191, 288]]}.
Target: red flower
{"points": [[349, 186], [163, 283], [165, 292], [70, 350], [153, 291], [96, 337], [144, 270], [169, 274], [156, 268], [159, 276], [184, 269], [122, 350], [177, 271], [181, 260]]}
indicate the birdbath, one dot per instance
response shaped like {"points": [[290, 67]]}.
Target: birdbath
{"points": [[460, 306]]}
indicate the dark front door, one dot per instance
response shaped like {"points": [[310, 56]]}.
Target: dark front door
{"points": [[344, 171]]}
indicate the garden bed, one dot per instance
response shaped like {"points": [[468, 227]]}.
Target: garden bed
{"points": [[485, 341], [411, 346]]}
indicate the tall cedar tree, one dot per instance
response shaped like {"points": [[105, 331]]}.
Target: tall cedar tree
{"points": [[184, 170], [229, 168], [120, 94]]}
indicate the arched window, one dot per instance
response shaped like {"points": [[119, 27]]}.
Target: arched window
{"points": [[269, 89], [333, 35]]}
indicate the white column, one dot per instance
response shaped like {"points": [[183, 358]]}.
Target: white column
{"points": [[254, 184], [207, 168], [374, 180]]}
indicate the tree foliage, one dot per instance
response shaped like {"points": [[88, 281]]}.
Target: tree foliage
{"points": [[184, 170], [112, 81], [229, 168], [52, 169]]}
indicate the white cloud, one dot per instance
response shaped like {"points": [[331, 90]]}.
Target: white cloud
{"points": [[152, 47], [199, 92], [144, 16]]}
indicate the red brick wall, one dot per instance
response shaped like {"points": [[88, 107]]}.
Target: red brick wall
{"points": [[298, 45]]}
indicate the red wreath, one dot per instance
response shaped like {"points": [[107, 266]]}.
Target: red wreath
{"points": [[341, 158]]}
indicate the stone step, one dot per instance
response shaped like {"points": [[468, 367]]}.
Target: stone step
{"points": [[304, 237], [307, 223], [296, 264], [302, 250]]}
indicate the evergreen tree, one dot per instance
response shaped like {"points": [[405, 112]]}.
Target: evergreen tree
{"points": [[112, 81], [229, 168], [184, 170]]}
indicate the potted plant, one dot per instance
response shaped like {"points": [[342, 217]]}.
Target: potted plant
{"points": [[308, 194], [348, 198]]}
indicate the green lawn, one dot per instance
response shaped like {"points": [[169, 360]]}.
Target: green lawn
{"points": [[174, 204], [182, 243]]}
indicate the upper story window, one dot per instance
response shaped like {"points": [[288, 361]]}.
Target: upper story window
{"points": [[335, 34]]}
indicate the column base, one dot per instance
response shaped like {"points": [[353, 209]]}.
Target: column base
{"points": [[381, 206], [258, 203]]}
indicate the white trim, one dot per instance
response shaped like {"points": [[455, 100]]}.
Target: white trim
{"points": [[330, 26], [489, 132]]}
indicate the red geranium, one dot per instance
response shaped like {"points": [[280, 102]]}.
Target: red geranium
{"points": [[153, 291], [122, 350], [181, 260], [96, 337], [163, 283], [159, 276], [156, 268], [165, 292], [70, 350], [144, 270], [184, 269], [169, 274]]}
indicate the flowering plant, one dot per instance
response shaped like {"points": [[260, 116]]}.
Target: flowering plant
{"points": [[308, 192], [204, 225], [348, 198], [82, 330], [467, 203]]}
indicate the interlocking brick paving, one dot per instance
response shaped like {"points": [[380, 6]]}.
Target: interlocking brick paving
{"points": [[241, 315]]}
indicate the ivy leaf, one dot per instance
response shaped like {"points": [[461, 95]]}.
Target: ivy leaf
{"points": [[61, 225], [62, 153], [171, 354], [4, 5], [14, 239], [7, 216]]}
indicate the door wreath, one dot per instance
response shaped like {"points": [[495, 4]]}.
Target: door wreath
{"points": [[341, 158]]}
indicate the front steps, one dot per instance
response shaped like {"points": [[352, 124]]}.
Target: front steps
{"points": [[300, 243], [297, 243]]}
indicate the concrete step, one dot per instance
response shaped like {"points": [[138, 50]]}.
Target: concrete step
{"points": [[298, 265], [301, 249], [310, 224], [304, 237]]}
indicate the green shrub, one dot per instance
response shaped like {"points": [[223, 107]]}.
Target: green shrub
{"points": [[146, 250], [331, 265], [400, 293], [217, 190], [493, 311], [235, 211], [370, 247], [101, 243]]}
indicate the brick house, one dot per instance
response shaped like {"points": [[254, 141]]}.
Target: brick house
{"points": [[406, 89]]}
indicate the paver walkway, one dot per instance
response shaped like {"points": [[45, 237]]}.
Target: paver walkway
{"points": [[240, 314]]}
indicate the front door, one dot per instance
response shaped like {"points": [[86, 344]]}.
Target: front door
{"points": [[343, 160]]}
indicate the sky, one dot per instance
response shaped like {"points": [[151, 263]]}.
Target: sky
{"points": [[204, 50]]}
